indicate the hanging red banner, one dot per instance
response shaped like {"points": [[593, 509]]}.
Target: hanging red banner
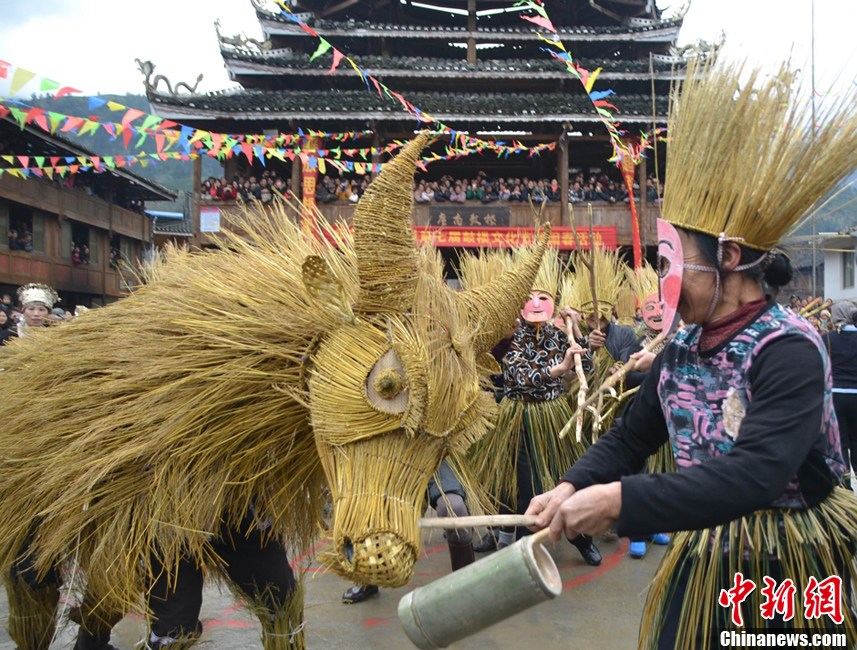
{"points": [[562, 238]]}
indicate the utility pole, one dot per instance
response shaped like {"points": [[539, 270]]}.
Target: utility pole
{"points": [[814, 214]]}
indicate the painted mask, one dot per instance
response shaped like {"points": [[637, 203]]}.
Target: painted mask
{"points": [[539, 307], [653, 313], [670, 270]]}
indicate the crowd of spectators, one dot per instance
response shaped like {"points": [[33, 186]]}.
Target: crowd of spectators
{"points": [[482, 189], [20, 237], [80, 254], [246, 188]]}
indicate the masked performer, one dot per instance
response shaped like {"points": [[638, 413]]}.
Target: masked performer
{"points": [[743, 392], [524, 453]]}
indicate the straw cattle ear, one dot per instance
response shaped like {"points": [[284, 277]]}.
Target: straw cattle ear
{"points": [[322, 286]]}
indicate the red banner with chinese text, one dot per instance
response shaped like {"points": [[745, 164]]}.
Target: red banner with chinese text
{"points": [[561, 237]]}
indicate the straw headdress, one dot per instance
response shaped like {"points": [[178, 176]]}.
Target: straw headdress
{"points": [[609, 278], [548, 276], [476, 270], [643, 281], [743, 159]]}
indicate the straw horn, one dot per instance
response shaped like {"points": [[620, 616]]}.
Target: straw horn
{"points": [[383, 235]]}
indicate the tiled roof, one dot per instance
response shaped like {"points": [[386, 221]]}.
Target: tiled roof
{"points": [[368, 28], [378, 65], [179, 227], [341, 104]]}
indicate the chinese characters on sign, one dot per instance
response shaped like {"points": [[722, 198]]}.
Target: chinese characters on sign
{"points": [[470, 217], [820, 598], [466, 237]]}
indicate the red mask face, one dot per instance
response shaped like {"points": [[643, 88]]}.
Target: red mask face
{"points": [[539, 308], [670, 270], [653, 313]]}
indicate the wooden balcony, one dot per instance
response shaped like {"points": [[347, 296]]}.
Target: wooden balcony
{"points": [[76, 204], [17, 267]]}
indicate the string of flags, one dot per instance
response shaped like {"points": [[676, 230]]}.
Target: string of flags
{"points": [[603, 108]]}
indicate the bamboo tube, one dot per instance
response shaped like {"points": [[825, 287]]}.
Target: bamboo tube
{"points": [[809, 306]]}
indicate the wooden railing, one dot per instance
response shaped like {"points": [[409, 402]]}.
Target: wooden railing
{"points": [[17, 267], [77, 205]]}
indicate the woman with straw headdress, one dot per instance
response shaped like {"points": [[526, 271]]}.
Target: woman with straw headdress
{"points": [[524, 453], [743, 392]]}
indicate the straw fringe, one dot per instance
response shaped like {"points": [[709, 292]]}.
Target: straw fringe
{"points": [[815, 542], [494, 458]]}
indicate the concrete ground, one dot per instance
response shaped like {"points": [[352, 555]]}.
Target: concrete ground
{"points": [[599, 607]]}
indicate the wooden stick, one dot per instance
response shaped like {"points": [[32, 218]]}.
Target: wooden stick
{"points": [[477, 520], [617, 376], [583, 385]]}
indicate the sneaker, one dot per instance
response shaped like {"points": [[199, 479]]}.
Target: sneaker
{"points": [[661, 539], [487, 544], [359, 593], [637, 550]]}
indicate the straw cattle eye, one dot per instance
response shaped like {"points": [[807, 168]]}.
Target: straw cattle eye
{"points": [[387, 385]]}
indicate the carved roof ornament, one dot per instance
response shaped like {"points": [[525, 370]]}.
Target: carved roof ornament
{"points": [[147, 68], [699, 49]]}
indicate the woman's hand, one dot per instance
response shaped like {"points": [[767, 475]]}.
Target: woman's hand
{"points": [[569, 512], [590, 511], [545, 505], [642, 360]]}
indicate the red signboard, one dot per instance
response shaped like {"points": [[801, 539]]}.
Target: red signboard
{"points": [[561, 237]]}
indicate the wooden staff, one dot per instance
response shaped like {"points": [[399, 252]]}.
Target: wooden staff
{"points": [[475, 521], [617, 376], [583, 385]]}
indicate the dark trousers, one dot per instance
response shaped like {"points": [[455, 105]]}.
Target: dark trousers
{"points": [[845, 405], [259, 570]]}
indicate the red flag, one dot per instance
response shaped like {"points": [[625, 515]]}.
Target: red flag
{"points": [[159, 142], [24, 160], [72, 124], [309, 30], [4, 69], [66, 90], [337, 59], [37, 116], [3, 111], [247, 148], [54, 160]]}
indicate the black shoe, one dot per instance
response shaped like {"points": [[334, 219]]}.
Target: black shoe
{"points": [[588, 551], [487, 544], [88, 641], [359, 593]]}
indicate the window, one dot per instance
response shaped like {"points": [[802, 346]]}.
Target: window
{"points": [[4, 225], [80, 252], [848, 261], [26, 230]]}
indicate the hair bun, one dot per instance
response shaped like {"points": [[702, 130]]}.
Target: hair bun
{"points": [[778, 270]]}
